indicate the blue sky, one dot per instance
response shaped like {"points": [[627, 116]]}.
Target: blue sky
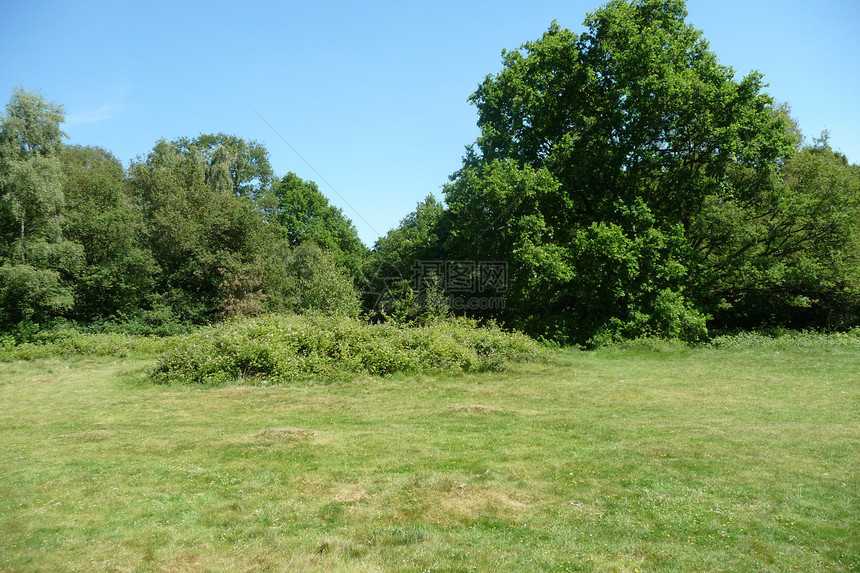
{"points": [[372, 95]]}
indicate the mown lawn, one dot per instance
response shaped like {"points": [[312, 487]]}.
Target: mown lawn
{"points": [[616, 460]]}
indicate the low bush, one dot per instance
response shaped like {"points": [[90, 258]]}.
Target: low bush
{"points": [[69, 342], [278, 348], [789, 340]]}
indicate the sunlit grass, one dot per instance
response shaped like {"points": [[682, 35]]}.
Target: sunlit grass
{"points": [[676, 460]]}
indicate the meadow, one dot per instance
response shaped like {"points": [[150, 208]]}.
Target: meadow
{"points": [[643, 458]]}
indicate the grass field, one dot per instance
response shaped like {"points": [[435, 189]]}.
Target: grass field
{"points": [[614, 460]]}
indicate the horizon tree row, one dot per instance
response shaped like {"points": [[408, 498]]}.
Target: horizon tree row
{"points": [[197, 230], [635, 187]]}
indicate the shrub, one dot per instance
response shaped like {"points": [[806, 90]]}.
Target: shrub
{"points": [[70, 342], [278, 348], [789, 340]]}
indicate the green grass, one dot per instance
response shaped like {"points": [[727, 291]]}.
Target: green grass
{"points": [[616, 460]]}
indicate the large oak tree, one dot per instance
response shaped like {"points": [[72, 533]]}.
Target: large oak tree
{"points": [[635, 186]]}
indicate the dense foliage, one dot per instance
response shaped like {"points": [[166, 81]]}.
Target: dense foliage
{"points": [[305, 215], [625, 184], [277, 349], [193, 232], [35, 259], [635, 187]]}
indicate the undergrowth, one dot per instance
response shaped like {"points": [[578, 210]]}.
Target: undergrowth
{"points": [[278, 348], [69, 342], [789, 340], [780, 339]]}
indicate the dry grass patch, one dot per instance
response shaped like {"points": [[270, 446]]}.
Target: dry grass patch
{"points": [[465, 502], [285, 434], [348, 493], [477, 409]]}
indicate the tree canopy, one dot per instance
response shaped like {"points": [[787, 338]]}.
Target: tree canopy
{"points": [[634, 186], [36, 262], [231, 163], [305, 215], [196, 230]]}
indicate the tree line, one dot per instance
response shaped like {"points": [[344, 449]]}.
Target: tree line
{"points": [[635, 187], [631, 184], [197, 230]]}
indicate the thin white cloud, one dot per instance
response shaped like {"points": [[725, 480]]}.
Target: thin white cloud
{"points": [[105, 112]]}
